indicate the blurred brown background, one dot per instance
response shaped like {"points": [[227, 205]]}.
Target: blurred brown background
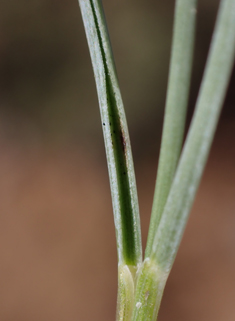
{"points": [[57, 243]]}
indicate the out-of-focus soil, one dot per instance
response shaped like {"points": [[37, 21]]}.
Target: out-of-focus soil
{"points": [[57, 244]]}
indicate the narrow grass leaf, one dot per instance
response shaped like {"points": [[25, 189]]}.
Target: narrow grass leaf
{"points": [[116, 137], [155, 269], [176, 106], [194, 156]]}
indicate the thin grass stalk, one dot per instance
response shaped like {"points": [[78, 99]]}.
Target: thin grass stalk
{"points": [[175, 110], [116, 137], [199, 139], [119, 156], [156, 268]]}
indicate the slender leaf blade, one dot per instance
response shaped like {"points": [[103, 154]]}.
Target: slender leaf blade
{"points": [[195, 153], [116, 137], [176, 106], [155, 269]]}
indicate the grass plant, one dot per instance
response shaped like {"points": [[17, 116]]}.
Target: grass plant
{"points": [[141, 282]]}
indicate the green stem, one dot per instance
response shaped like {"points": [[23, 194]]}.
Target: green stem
{"points": [[119, 156], [149, 290], [194, 156], [176, 106], [116, 137], [126, 290], [156, 268]]}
